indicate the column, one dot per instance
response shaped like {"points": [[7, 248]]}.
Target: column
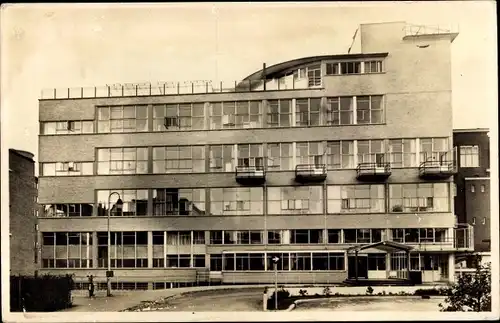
{"points": [[451, 267], [388, 265], [150, 249], [408, 264], [191, 250], [94, 249]]}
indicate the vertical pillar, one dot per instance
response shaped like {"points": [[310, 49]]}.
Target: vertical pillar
{"points": [[150, 249], [408, 264], [451, 267], [191, 250], [388, 265], [356, 264], [94, 249]]}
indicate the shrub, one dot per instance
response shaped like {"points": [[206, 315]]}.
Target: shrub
{"points": [[427, 292], [369, 290], [284, 300], [327, 291], [383, 292], [303, 292]]}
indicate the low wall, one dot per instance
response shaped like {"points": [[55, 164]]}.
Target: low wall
{"points": [[284, 277]]}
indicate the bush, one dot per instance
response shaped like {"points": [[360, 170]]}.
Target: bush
{"points": [[284, 300], [40, 294], [428, 292], [327, 291], [303, 292], [369, 290]]}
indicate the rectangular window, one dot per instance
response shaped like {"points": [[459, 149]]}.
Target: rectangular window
{"points": [[178, 117], [314, 75], [307, 112], [402, 152], [274, 237], [174, 201], [250, 155], [340, 154], [371, 151], [236, 115], [339, 111], [434, 149], [369, 109], [332, 68], [67, 210], [279, 156], [67, 169], [216, 237], [310, 153], [300, 261], [304, 236], [398, 235], [356, 199], [237, 201], [282, 263], [376, 261], [117, 161], [469, 156], [295, 200], [128, 118], [334, 236], [279, 113], [135, 203], [350, 67], [222, 158], [373, 67], [178, 159], [215, 262], [66, 250], [67, 127], [423, 197]]}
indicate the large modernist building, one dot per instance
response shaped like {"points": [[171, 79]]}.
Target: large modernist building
{"points": [[340, 165], [23, 213], [472, 195]]}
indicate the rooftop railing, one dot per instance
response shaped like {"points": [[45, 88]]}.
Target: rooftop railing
{"points": [[417, 30], [176, 88]]}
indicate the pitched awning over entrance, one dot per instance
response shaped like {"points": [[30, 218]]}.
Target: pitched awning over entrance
{"points": [[387, 246]]}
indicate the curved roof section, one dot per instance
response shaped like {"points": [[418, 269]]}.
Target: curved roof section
{"points": [[278, 69]]}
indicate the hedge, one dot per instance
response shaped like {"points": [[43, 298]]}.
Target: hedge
{"points": [[40, 294]]}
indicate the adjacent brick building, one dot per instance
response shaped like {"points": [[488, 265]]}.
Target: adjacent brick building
{"points": [[302, 160], [472, 198], [23, 213]]}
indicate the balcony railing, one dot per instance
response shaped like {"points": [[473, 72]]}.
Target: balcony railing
{"points": [[310, 173], [439, 165], [250, 174], [373, 171], [176, 88], [418, 30]]}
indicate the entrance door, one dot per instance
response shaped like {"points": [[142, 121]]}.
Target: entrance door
{"points": [[362, 267]]}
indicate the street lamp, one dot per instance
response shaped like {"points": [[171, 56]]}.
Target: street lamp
{"points": [[275, 260], [119, 206]]}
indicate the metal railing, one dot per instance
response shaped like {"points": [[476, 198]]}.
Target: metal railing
{"points": [[250, 171], [176, 88], [373, 168], [440, 163], [416, 30], [310, 169]]}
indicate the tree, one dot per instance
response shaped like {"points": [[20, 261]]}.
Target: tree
{"points": [[472, 291]]}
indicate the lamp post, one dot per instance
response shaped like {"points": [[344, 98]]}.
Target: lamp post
{"points": [[109, 273], [275, 260]]}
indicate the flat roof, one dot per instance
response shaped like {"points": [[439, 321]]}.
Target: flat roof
{"points": [[471, 130]]}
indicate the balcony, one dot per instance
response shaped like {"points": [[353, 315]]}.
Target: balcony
{"points": [[310, 173], [250, 175], [440, 165], [462, 240], [373, 171]]}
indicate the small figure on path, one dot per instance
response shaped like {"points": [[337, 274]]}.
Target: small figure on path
{"points": [[91, 286]]}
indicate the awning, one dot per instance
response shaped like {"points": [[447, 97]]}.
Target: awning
{"points": [[387, 246]]}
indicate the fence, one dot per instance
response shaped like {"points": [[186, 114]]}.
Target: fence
{"points": [[40, 294]]}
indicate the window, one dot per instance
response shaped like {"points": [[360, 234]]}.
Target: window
{"points": [[376, 261], [174, 201], [339, 111], [250, 155], [434, 149], [469, 156], [474, 221], [350, 67], [314, 75], [176, 117], [300, 261], [274, 237], [373, 67], [199, 237], [369, 109], [216, 237], [484, 221], [362, 235], [332, 69], [198, 261], [122, 118], [67, 210], [67, 127], [356, 199], [179, 159], [135, 202], [307, 112], [222, 158], [66, 250], [482, 188], [178, 261], [245, 261], [340, 154], [295, 200], [279, 156], [310, 153], [398, 235], [371, 151], [114, 161], [304, 236], [158, 237], [236, 115], [402, 152], [279, 113], [422, 235], [179, 238], [423, 197], [334, 236], [473, 188], [215, 262], [243, 237], [67, 169], [454, 189], [236, 201]]}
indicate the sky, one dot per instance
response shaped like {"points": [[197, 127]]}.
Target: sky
{"points": [[58, 46]]}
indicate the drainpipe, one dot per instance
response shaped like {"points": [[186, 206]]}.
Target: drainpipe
{"points": [[264, 74]]}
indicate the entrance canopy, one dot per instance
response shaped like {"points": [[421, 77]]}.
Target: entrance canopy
{"points": [[387, 246]]}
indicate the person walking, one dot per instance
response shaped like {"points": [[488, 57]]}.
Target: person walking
{"points": [[91, 286]]}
